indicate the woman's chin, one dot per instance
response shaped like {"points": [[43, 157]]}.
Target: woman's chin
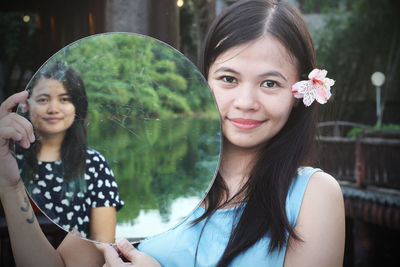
{"points": [[243, 144]]}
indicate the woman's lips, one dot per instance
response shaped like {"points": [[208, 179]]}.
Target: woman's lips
{"points": [[245, 124], [52, 120]]}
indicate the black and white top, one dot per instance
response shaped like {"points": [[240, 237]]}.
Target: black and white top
{"points": [[68, 204]]}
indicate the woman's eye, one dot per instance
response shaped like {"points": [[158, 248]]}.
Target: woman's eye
{"points": [[269, 84], [229, 79], [65, 99], [41, 100]]}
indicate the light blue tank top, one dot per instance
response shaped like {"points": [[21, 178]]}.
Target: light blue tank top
{"points": [[177, 247]]}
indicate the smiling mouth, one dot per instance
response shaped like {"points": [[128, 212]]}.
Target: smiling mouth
{"points": [[52, 120], [246, 124]]}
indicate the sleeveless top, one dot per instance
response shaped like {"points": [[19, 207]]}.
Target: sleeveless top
{"points": [[177, 247]]}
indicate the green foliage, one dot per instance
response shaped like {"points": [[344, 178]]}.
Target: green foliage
{"points": [[128, 75], [354, 132], [354, 44], [312, 6], [388, 127]]}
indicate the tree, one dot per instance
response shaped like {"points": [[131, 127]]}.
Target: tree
{"points": [[195, 18], [354, 44]]}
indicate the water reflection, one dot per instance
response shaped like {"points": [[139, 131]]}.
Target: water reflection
{"points": [[151, 219], [162, 168]]}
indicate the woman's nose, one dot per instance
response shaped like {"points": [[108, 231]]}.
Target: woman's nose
{"points": [[53, 106], [246, 98]]}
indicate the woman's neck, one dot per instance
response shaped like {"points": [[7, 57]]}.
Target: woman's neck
{"points": [[236, 165], [50, 147]]}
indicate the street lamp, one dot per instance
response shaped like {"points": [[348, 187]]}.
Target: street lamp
{"points": [[26, 18], [378, 78]]}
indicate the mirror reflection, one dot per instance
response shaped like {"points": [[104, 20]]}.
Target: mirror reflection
{"points": [[128, 137]]}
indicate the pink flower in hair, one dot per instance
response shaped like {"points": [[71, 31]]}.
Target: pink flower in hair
{"points": [[318, 87]]}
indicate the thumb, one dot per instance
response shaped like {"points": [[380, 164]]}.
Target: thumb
{"points": [[127, 250]]}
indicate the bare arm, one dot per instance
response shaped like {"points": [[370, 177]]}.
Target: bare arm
{"points": [[76, 251], [321, 226], [103, 221], [29, 244], [31, 247]]}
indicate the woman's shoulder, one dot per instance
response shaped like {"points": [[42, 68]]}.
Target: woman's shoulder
{"points": [[311, 184], [94, 155], [301, 180], [315, 177], [322, 195], [316, 182], [324, 184], [96, 165], [320, 223]]}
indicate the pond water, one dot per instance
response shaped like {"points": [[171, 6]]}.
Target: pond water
{"points": [[163, 168]]}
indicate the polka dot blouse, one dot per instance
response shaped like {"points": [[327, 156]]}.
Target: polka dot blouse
{"points": [[69, 204]]}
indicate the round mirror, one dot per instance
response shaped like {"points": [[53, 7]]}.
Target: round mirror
{"points": [[128, 137]]}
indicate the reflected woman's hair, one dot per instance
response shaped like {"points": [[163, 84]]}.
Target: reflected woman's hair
{"points": [[74, 145]]}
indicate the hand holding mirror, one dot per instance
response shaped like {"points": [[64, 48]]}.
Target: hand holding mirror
{"points": [[153, 136]]}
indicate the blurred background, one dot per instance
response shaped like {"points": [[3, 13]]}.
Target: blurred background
{"points": [[359, 127]]}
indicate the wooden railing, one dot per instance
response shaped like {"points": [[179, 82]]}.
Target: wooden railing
{"points": [[337, 157], [378, 160], [370, 159], [368, 169]]}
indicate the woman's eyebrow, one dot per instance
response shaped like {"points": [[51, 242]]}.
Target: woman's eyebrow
{"points": [[226, 69], [265, 74], [41, 95], [273, 73]]}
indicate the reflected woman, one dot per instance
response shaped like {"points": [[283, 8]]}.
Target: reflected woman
{"points": [[70, 182]]}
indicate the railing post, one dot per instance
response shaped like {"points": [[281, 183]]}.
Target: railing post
{"points": [[360, 164]]}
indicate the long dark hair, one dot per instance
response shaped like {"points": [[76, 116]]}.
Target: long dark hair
{"points": [[276, 166], [74, 145]]}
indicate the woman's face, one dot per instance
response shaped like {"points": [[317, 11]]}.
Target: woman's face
{"points": [[50, 108], [252, 86]]}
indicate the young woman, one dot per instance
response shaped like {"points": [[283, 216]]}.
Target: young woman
{"points": [[264, 208], [64, 177]]}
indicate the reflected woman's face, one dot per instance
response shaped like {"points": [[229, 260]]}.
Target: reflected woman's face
{"points": [[50, 108]]}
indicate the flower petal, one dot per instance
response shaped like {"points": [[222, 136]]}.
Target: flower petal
{"points": [[299, 89], [309, 97], [313, 74], [320, 95], [322, 75], [329, 82]]}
